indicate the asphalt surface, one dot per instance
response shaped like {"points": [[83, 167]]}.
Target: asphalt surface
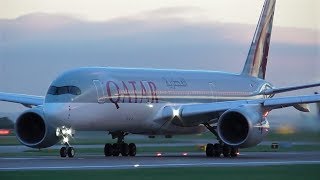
{"points": [[22, 148], [82, 162]]}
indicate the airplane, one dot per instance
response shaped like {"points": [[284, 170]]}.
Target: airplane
{"points": [[123, 101]]}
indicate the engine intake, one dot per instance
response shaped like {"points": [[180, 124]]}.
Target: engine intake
{"points": [[243, 127], [31, 128], [34, 131], [234, 127]]}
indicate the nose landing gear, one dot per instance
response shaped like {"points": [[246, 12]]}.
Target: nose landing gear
{"points": [[66, 133], [67, 151]]}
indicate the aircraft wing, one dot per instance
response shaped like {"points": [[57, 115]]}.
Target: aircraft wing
{"points": [[26, 100], [276, 103], [200, 113]]}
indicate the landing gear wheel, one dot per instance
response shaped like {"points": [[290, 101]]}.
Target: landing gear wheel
{"points": [[116, 149], [120, 147], [132, 149], [226, 151], [71, 152], [209, 150], [63, 152], [217, 150], [234, 152], [108, 150], [124, 149]]}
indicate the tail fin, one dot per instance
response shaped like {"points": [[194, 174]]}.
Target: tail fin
{"points": [[257, 58], [318, 108]]}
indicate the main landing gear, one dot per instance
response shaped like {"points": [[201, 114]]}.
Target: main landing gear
{"points": [[215, 150], [120, 147]]}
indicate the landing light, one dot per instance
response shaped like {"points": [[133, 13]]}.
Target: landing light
{"points": [[65, 140], [158, 154], [58, 132], [64, 131], [266, 114], [69, 132], [185, 154], [176, 112], [136, 165]]}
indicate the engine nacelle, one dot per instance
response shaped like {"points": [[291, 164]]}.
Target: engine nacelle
{"points": [[243, 127], [34, 131]]}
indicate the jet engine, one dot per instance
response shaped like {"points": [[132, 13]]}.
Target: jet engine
{"points": [[33, 130], [243, 127]]}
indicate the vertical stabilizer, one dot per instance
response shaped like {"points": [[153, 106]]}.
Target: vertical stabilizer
{"points": [[318, 108], [257, 58]]}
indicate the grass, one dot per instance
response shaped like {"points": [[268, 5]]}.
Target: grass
{"points": [[8, 140], [290, 172], [88, 138], [310, 136], [294, 148], [12, 140]]}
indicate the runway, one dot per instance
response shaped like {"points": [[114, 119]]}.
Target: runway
{"points": [[22, 148], [82, 162]]}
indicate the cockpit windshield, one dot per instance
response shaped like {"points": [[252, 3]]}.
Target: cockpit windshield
{"points": [[54, 90]]}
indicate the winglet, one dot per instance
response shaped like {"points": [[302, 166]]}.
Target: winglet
{"points": [[257, 58]]}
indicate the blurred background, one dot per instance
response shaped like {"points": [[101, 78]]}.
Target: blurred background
{"points": [[41, 39]]}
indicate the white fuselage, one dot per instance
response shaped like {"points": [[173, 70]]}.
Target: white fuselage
{"points": [[132, 100]]}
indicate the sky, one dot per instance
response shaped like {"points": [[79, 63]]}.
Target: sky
{"points": [[290, 13], [40, 39]]}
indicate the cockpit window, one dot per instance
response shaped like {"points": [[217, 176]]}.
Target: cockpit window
{"points": [[62, 90], [54, 90], [74, 90]]}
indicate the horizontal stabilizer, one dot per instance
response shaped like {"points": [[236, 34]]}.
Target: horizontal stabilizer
{"points": [[287, 89]]}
